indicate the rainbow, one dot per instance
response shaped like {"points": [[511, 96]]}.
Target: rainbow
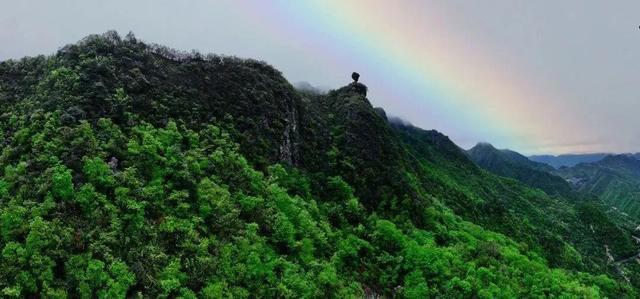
{"points": [[410, 56]]}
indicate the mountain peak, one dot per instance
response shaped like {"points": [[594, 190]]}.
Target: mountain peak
{"points": [[483, 146], [355, 87], [512, 164], [182, 149]]}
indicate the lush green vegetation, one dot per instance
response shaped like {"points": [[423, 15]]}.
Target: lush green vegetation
{"points": [[130, 169], [593, 209], [511, 164], [615, 179]]}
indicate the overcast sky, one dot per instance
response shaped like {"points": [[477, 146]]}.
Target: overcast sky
{"points": [[573, 64]]}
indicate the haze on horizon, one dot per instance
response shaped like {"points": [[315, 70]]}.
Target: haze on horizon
{"points": [[550, 77]]}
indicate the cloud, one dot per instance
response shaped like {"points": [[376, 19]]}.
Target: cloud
{"points": [[399, 121], [308, 87]]}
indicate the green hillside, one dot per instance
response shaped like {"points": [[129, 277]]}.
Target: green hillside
{"points": [[514, 165], [133, 170], [615, 179]]}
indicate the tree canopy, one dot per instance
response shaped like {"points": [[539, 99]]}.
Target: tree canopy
{"points": [[132, 170]]}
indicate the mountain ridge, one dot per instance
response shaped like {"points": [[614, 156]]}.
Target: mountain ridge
{"points": [[514, 165], [569, 160], [615, 179], [135, 170]]}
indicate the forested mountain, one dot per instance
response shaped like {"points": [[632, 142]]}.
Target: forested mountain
{"points": [[511, 164], [567, 160], [130, 169], [487, 154], [615, 179]]}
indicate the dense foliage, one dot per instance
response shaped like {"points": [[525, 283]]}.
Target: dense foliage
{"points": [[130, 169], [590, 203]]}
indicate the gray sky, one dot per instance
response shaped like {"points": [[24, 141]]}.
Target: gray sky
{"points": [[567, 71]]}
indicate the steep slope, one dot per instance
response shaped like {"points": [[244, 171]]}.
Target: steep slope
{"points": [[106, 77], [513, 165], [521, 213], [404, 163], [133, 170], [486, 151], [567, 160], [615, 179]]}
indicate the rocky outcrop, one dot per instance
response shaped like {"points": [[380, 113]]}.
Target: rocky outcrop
{"points": [[289, 146]]}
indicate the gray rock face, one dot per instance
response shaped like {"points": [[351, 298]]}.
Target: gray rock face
{"points": [[291, 137]]}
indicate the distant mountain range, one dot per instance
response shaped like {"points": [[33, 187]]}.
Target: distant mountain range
{"points": [[615, 179], [568, 160], [134, 170], [511, 164]]}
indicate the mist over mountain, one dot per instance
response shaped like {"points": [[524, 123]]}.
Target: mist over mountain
{"points": [[305, 86], [134, 170], [395, 120]]}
